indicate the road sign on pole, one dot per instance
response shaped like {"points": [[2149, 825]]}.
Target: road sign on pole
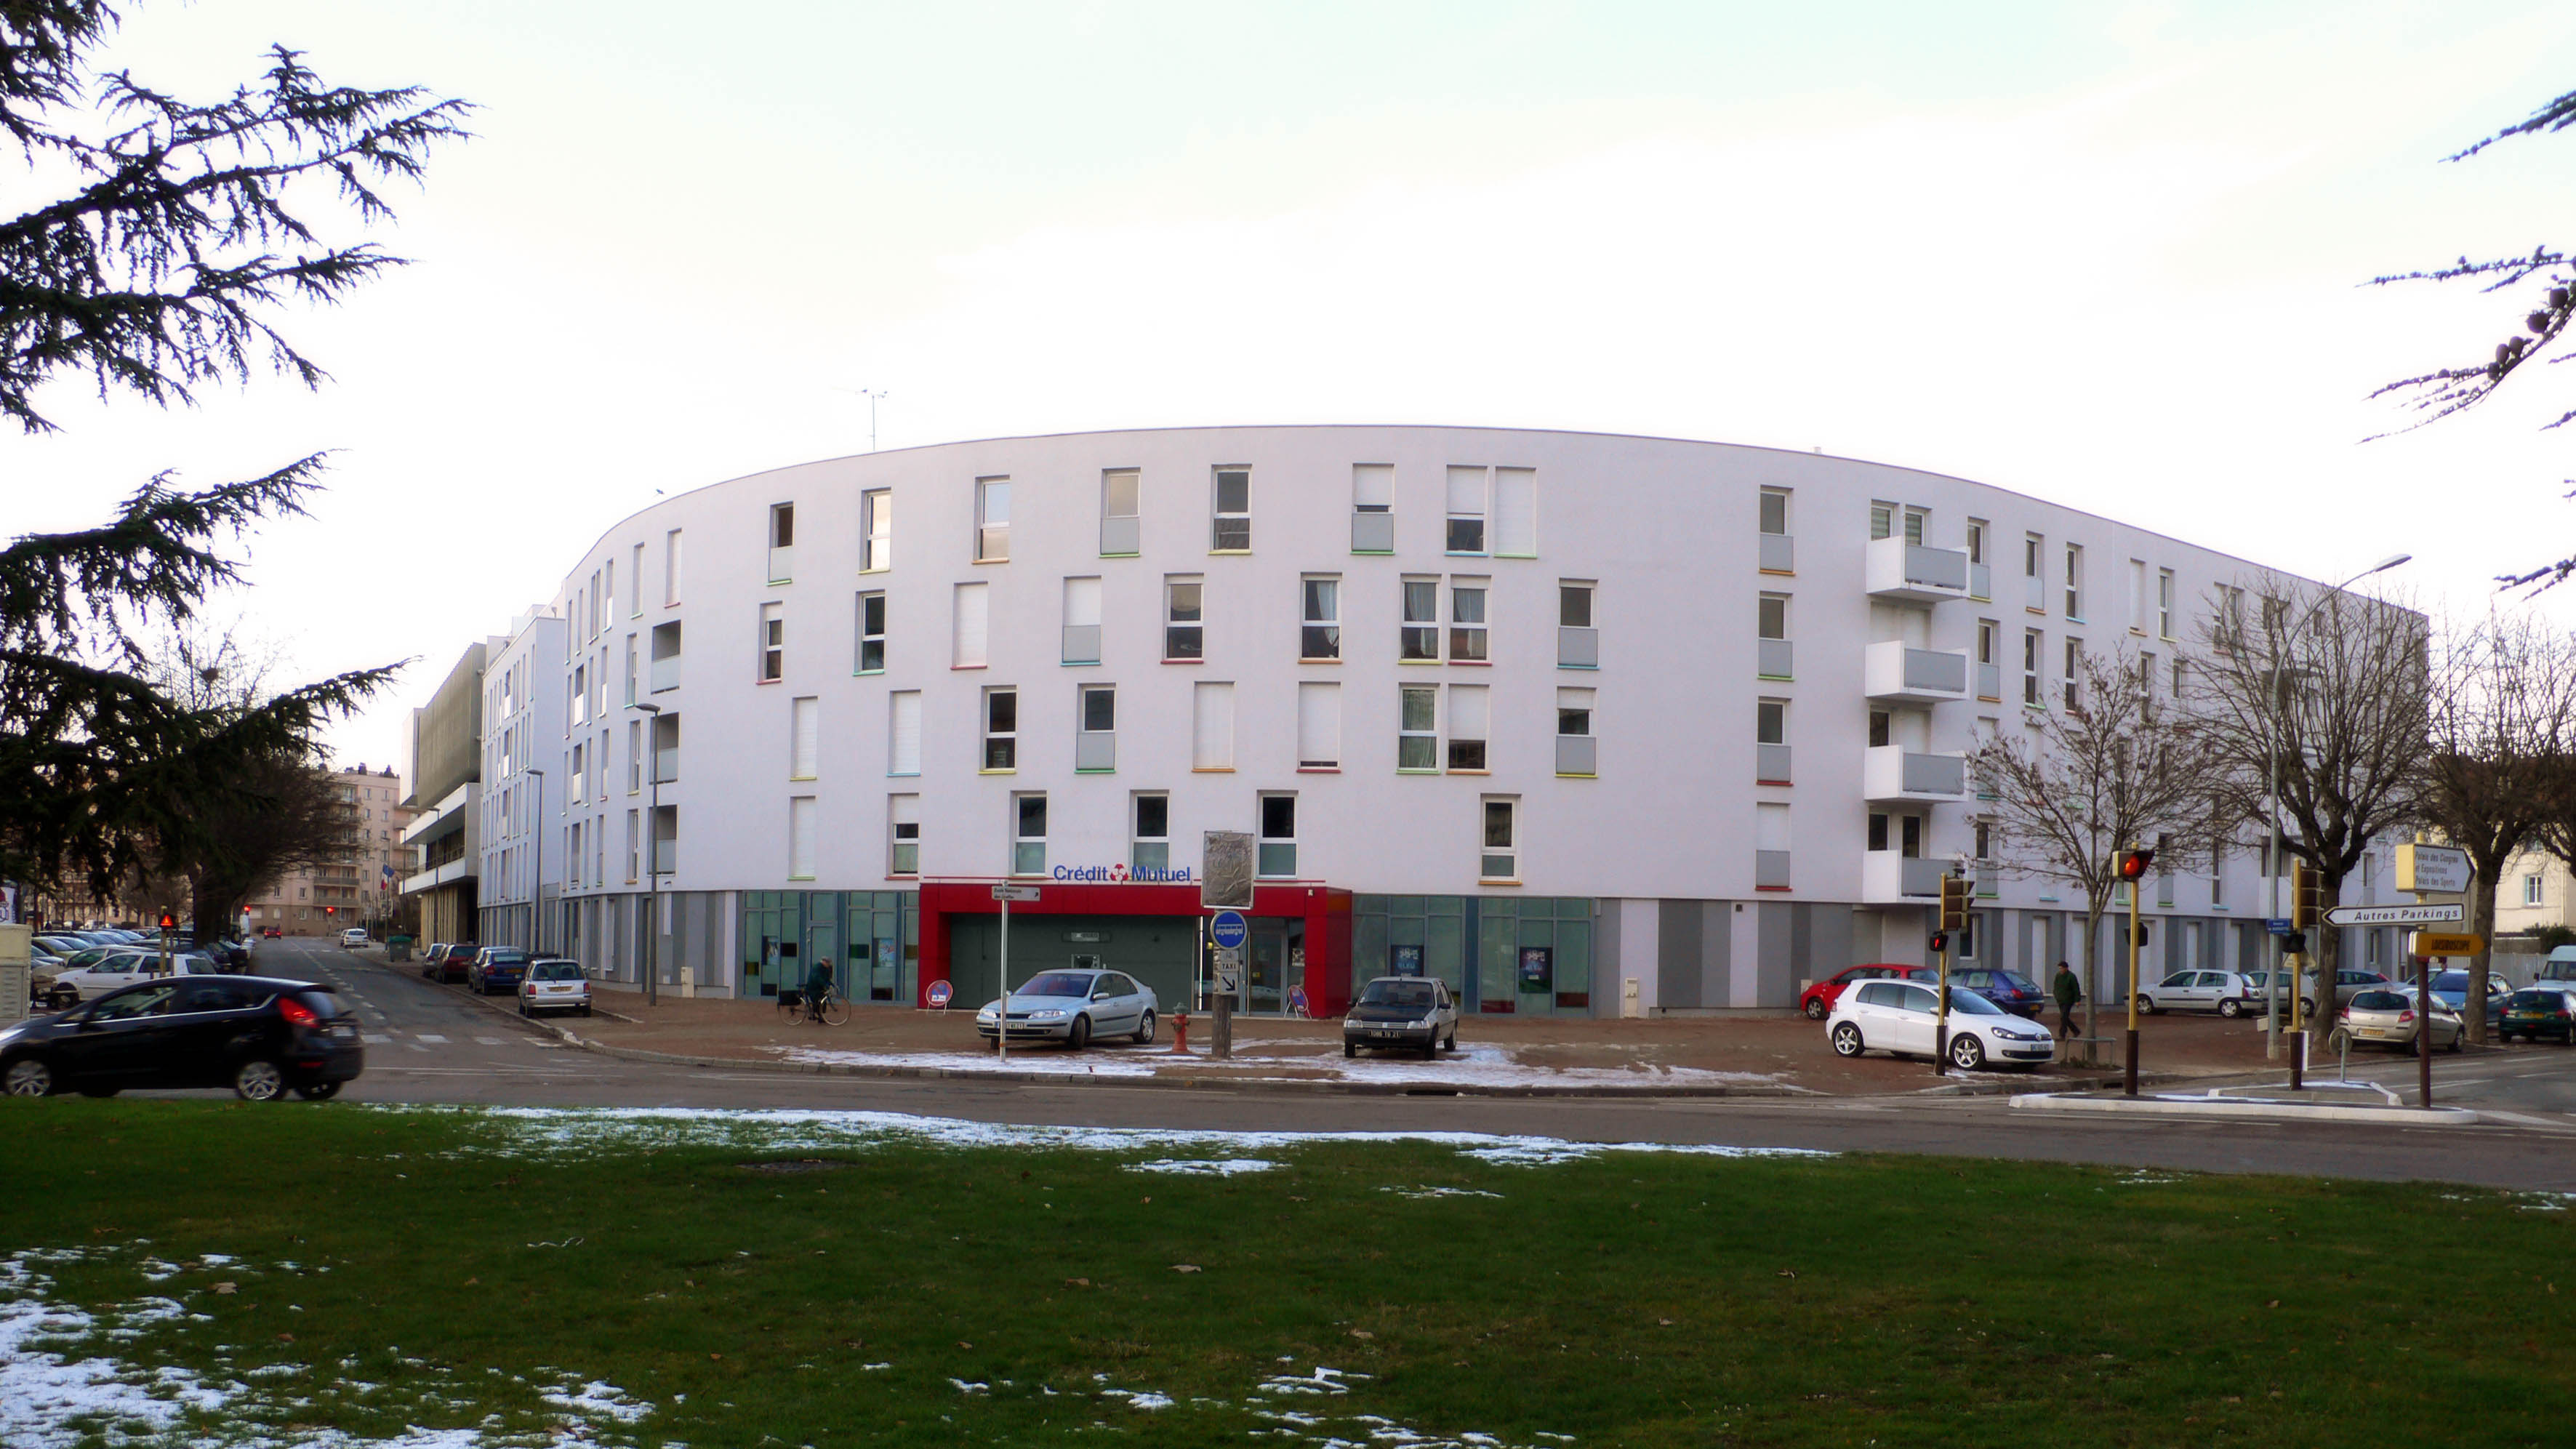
{"points": [[2395, 915], [1020, 893], [2279, 925], [1228, 930], [2432, 869], [2443, 943]]}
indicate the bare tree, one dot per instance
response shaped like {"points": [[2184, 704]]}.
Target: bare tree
{"points": [[2500, 717], [2118, 767], [2325, 692]]}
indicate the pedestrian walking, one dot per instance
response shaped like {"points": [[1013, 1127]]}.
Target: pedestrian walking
{"points": [[2068, 992]]}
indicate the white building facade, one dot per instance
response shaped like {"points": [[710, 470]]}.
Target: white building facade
{"points": [[525, 701], [1583, 724]]}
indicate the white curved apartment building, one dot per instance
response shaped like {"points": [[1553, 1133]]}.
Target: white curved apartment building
{"points": [[1582, 723]]}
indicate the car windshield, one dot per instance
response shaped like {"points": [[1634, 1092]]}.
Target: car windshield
{"points": [[1058, 983], [1397, 993], [2380, 1001], [2015, 981], [557, 971], [1969, 1003], [2451, 981], [505, 956]]}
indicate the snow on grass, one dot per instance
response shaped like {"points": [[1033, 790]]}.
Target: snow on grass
{"points": [[588, 1131], [1217, 1167], [1420, 1192], [1300, 1058]]}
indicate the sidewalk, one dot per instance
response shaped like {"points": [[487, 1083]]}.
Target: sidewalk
{"points": [[1769, 1055]]}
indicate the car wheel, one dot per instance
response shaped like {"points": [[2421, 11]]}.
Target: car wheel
{"points": [[258, 1080], [2307, 1009], [585, 1008], [1451, 1044], [2146, 1006], [1815, 1008], [1350, 1049], [1145, 1029], [318, 1091], [1847, 1042], [2231, 1009], [1078, 1035], [2456, 1038], [28, 1077], [523, 1008], [1967, 1053]]}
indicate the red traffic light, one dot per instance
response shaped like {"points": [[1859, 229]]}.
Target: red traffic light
{"points": [[330, 910], [2134, 863], [1940, 942], [169, 921]]}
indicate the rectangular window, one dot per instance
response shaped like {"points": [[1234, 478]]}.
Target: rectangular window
{"points": [[1469, 720], [580, 773], [1878, 832], [1576, 748], [872, 632], [1882, 727], [1184, 619], [1771, 722], [1081, 621], [1467, 621], [1420, 639], [1976, 540], [876, 530], [2531, 890], [2074, 676], [1915, 519], [1516, 512], [992, 520], [608, 593], [1372, 508], [782, 542], [1417, 740], [805, 744], [1320, 630], [800, 838], [1499, 860], [666, 747], [2030, 655], [1278, 839], [1466, 510], [666, 656], [967, 650], [1771, 617], [1319, 726], [2137, 596], [1212, 727], [1028, 834], [1095, 743], [1775, 512], [903, 835], [1882, 521], [903, 732], [1001, 729], [2164, 603], [634, 757], [634, 844], [2074, 581], [580, 694], [1578, 643], [635, 582], [1230, 529], [630, 669], [1151, 849], [773, 643], [671, 568], [1121, 532]]}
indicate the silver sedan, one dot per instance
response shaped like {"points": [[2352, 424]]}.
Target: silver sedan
{"points": [[1073, 1007]]}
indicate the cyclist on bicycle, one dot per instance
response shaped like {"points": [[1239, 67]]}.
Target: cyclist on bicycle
{"points": [[818, 989]]}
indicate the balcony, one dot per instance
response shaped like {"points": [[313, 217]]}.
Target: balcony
{"points": [[1779, 553], [1890, 879], [1909, 573], [1893, 773], [1898, 673]]}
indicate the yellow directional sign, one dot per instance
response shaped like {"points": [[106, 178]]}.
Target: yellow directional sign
{"points": [[2441, 943]]}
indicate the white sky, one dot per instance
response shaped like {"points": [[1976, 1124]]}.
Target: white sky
{"points": [[2108, 256]]}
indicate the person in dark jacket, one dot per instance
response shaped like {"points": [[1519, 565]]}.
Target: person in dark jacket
{"points": [[2068, 992]]}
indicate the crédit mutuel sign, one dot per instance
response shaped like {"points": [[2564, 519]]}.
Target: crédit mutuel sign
{"points": [[1121, 875]]}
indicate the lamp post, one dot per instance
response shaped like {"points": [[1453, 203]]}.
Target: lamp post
{"points": [[2272, 805], [537, 881], [652, 864]]}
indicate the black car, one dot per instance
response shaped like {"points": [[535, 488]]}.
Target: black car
{"points": [[260, 1036], [1402, 1011], [497, 969], [2010, 990]]}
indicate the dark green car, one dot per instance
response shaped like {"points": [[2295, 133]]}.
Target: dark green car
{"points": [[2539, 1011]]}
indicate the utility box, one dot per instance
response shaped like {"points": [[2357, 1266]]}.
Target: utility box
{"points": [[15, 944]]}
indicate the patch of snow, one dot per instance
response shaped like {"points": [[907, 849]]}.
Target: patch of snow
{"points": [[1140, 1398], [1216, 1167], [1440, 1192], [1478, 1065], [964, 1387], [1322, 1381], [275, 1371], [597, 1398]]}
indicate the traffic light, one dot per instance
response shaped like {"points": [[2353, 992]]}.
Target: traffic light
{"points": [[1954, 903], [2133, 863], [330, 910], [1940, 942], [169, 921], [2307, 894]]}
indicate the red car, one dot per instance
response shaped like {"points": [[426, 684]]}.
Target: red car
{"points": [[1817, 1001], [272, 933]]}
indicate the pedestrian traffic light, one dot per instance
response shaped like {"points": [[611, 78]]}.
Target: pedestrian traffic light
{"points": [[169, 921], [1940, 942], [2133, 863], [1954, 903], [2307, 893]]}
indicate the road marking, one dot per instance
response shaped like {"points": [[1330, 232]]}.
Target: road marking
{"points": [[489, 1041], [378, 1038], [416, 1046], [426, 1036]]}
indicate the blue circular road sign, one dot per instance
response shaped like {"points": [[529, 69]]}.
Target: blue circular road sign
{"points": [[1227, 930]]}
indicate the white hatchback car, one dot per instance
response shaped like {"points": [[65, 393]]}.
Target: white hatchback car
{"points": [[353, 937], [1900, 1017], [554, 984]]}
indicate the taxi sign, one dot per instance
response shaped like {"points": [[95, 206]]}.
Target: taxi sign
{"points": [[2443, 943]]}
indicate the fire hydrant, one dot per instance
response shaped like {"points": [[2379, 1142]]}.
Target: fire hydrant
{"points": [[1181, 1034]]}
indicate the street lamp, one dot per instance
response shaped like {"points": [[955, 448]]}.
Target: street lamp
{"points": [[537, 882], [652, 865], [2272, 806]]}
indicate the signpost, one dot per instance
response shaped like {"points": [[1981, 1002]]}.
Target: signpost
{"points": [[939, 994], [2432, 870], [1002, 1020], [2444, 943], [2395, 915], [1225, 887]]}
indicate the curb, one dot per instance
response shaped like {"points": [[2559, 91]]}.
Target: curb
{"points": [[2241, 1109]]}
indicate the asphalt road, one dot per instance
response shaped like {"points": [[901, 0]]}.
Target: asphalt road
{"points": [[431, 1044]]}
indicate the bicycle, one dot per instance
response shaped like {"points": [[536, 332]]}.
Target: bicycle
{"points": [[823, 1006]]}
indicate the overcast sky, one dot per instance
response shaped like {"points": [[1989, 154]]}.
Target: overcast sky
{"points": [[2107, 256]]}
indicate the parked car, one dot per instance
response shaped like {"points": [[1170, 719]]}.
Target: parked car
{"points": [[2010, 990], [2259, 981], [1817, 1001], [2558, 968], [2539, 1011], [458, 964], [2224, 992], [117, 970], [353, 938], [496, 969], [1402, 1011], [2451, 988], [2389, 1017], [271, 933], [1074, 1007], [1901, 1017], [259, 1036], [432, 958], [554, 984]]}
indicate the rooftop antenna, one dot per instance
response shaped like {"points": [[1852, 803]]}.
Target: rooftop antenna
{"points": [[871, 395]]}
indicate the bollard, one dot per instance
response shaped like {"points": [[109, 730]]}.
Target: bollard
{"points": [[1181, 1034]]}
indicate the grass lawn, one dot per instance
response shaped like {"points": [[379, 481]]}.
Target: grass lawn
{"points": [[455, 1278]]}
